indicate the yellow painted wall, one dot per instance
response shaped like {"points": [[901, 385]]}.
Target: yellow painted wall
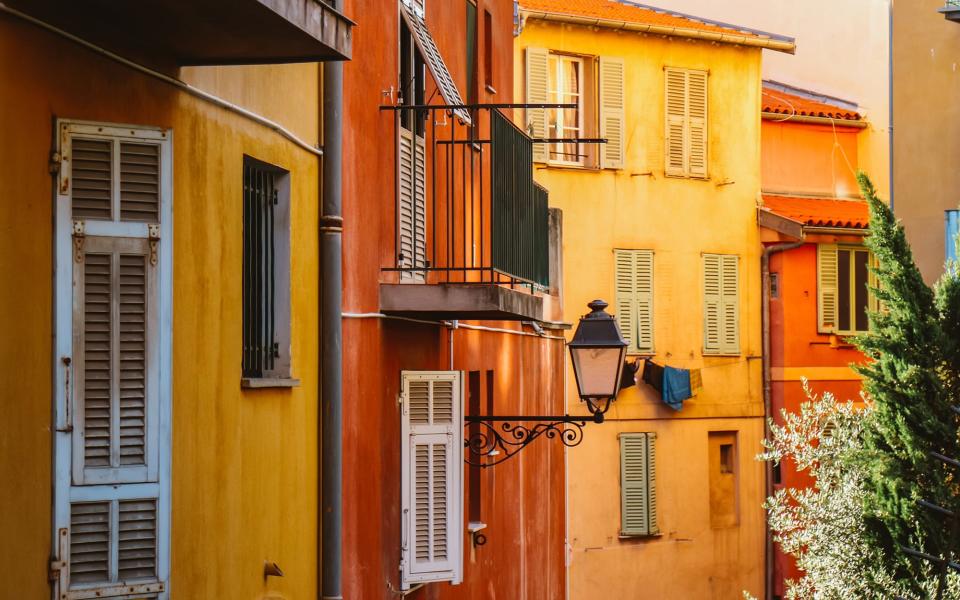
{"points": [[244, 462], [638, 207]]}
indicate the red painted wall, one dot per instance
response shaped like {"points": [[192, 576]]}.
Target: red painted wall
{"points": [[803, 159], [523, 498]]}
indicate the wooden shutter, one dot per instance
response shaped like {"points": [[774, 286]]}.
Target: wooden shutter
{"points": [[697, 123], [91, 175], [139, 182], [112, 543], [114, 293], [634, 298], [676, 115], [411, 205], [638, 504], [730, 304], [827, 288], [712, 304], [536, 79], [431, 476], [612, 112]]}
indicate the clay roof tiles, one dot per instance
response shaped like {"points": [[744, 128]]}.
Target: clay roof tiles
{"points": [[820, 212], [780, 102]]}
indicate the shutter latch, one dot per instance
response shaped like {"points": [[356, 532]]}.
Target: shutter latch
{"points": [[153, 232], [79, 233]]}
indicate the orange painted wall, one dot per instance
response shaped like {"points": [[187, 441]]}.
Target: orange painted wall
{"points": [[805, 159], [808, 159], [523, 498]]}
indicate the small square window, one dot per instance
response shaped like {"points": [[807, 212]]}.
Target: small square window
{"points": [[774, 285], [726, 458]]}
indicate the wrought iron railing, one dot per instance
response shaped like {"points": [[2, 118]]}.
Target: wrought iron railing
{"points": [[466, 207]]}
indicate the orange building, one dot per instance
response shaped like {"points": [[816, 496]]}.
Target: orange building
{"points": [[815, 266]]}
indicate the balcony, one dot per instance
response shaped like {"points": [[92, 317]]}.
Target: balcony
{"points": [[951, 10], [471, 225], [203, 32]]}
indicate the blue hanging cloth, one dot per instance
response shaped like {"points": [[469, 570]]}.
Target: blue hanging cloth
{"points": [[676, 387]]}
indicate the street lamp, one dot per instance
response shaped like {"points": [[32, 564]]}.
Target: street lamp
{"points": [[598, 351]]}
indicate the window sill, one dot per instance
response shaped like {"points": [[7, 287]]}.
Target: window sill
{"points": [[269, 382], [639, 536], [568, 167], [690, 177], [721, 354]]}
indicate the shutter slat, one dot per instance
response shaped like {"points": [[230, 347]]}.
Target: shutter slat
{"points": [[97, 358], [697, 107], [137, 539], [827, 288], [676, 114], [139, 182], [132, 347], [731, 304], [90, 542], [536, 93], [91, 175], [612, 123], [712, 299], [637, 502]]}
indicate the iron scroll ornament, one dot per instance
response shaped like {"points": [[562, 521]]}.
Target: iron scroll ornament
{"points": [[490, 445]]}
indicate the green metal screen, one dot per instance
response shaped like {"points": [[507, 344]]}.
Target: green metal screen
{"points": [[519, 214], [259, 200]]}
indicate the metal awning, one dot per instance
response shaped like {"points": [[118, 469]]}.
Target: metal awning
{"points": [[203, 32]]}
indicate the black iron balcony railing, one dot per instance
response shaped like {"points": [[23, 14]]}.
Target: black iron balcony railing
{"points": [[466, 207], [951, 10]]}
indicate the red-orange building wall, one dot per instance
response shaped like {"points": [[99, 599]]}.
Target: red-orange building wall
{"points": [[522, 500], [816, 160]]}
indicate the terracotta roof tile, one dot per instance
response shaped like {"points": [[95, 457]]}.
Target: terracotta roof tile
{"points": [[820, 212], [628, 12], [779, 102]]}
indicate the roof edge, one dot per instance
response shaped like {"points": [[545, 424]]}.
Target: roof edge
{"points": [[760, 32], [786, 45], [811, 120]]}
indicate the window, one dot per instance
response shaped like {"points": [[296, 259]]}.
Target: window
{"points": [[952, 219], [775, 285], [634, 297], [638, 484], [722, 448], [431, 472], [595, 85], [266, 272], [488, 51], [111, 501], [843, 281], [686, 123], [471, 39], [721, 304]]}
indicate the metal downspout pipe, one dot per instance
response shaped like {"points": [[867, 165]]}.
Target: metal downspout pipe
{"points": [[331, 334], [767, 402]]}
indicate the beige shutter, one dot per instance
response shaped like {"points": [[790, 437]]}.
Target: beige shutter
{"points": [[676, 117], [827, 284], [91, 175], [697, 123], [536, 79], [90, 542], [411, 205], [139, 182], [612, 112], [431, 476], [712, 304], [634, 298], [137, 539], [638, 505], [113, 319], [730, 304]]}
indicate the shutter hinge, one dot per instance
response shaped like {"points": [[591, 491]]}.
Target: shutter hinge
{"points": [[153, 232], [79, 234], [55, 567], [54, 162]]}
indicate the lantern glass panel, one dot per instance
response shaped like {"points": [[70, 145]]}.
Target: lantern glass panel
{"points": [[597, 370]]}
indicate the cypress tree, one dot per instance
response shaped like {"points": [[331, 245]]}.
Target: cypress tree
{"points": [[912, 379]]}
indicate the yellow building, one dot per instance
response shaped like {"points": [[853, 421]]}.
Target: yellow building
{"points": [[160, 400], [664, 503]]}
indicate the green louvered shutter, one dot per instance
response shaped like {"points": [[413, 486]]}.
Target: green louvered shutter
{"points": [[827, 285], [712, 299], [634, 298], [537, 94], [730, 304], [611, 112], [638, 505]]}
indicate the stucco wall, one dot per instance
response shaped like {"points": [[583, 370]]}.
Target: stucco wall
{"points": [[244, 462]]}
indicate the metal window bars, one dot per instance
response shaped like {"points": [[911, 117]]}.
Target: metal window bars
{"points": [[260, 196]]}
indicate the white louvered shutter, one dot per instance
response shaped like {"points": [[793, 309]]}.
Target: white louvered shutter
{"points": [[730, 304], [411, 205], [827, 288], [634, 298], [676, 115], [612, 126], [113, 205], [536, 80], [431, 476], [712, 304], [697, 123], [638, 503]]}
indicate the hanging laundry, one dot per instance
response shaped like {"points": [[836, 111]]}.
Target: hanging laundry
{"points": [[653, 375], [696, 381], [676, 387]]}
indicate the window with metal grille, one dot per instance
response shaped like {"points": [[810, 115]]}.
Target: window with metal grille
{"points": [[266, 277]]}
